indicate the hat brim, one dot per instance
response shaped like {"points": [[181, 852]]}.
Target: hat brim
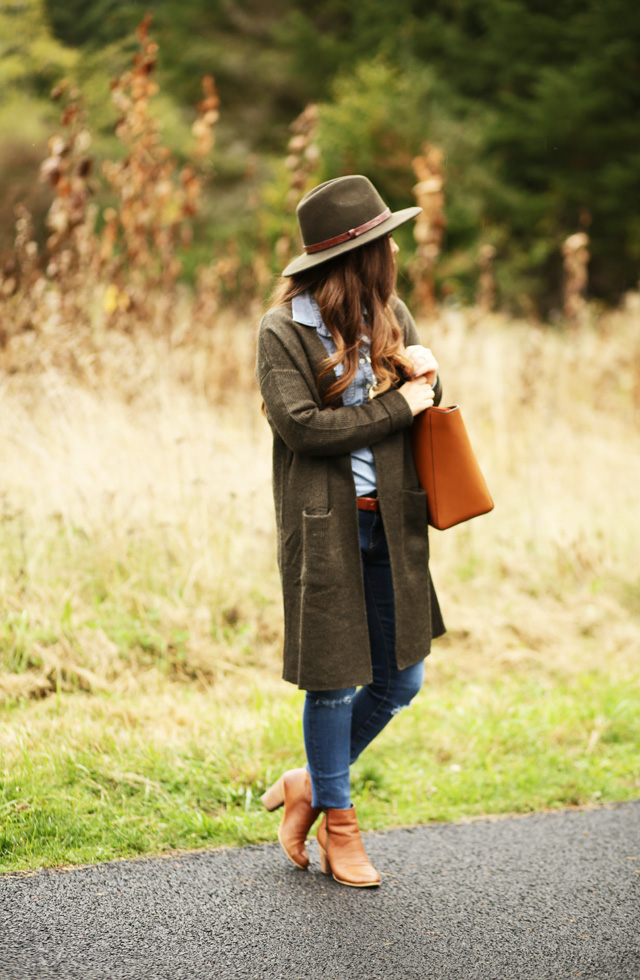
{"points": [[309, 260]]}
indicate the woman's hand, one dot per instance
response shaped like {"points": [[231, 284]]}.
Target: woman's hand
{"points": [[423, 362], [418, 394]]}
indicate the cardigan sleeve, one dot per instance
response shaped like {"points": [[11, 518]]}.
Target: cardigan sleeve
{"points": [[304, 426]]}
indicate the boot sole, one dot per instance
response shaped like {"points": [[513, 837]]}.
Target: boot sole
{"points": [[352, 884]]}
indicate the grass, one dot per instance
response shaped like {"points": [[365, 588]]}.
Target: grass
{"points": [[112, 780], [142, 710]]}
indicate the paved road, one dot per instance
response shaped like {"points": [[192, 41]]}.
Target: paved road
{"points": [[544, 897]]}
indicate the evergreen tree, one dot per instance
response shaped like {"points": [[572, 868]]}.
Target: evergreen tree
{"points": [[535, 103], [554, 91]]}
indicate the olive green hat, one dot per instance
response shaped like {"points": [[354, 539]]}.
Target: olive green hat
{"points": [[340, 215]]}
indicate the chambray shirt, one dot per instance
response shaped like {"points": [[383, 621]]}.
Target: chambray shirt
{"points": [[306, 311]]}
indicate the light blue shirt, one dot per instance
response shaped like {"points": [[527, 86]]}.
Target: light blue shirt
{"points": [[305, 310]]}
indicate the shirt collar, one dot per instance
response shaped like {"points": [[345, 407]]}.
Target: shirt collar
{"points": [[306, 311]]}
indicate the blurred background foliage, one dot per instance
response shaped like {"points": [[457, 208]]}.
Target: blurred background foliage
{"points": [[534, 103]]}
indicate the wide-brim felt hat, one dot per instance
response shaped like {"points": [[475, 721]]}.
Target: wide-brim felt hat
{"points": [[340, 215]]}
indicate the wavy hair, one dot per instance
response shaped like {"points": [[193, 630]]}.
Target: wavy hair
{"points": [[354, 293]]}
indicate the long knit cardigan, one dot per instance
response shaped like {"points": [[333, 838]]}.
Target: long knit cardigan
{"points": [[326, 641]]}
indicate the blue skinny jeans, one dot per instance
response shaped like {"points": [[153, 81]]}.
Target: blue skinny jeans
{"points": [[339, 724]]}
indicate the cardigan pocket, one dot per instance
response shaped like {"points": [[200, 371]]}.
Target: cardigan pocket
{"points": [[416, 569], [317, 550], [325, 595], [415, 529]]}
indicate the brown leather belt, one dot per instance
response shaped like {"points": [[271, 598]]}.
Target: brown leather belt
{"points": [[368, 503]]}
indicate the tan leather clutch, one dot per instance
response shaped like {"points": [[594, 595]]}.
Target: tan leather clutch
{"points": [[447, 468]]}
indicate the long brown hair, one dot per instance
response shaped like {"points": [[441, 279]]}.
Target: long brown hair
{"points": [[345, 288]]}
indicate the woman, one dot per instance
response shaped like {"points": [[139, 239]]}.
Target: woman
{"points": [[342, 375]]}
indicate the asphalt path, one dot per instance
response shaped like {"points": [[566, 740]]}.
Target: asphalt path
{"points": [[545, 897]]}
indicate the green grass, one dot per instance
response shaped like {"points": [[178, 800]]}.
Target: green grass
{"points": [[132, 778]]}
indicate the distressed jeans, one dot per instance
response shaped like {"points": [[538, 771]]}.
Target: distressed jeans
{"points": [[339, 724]]}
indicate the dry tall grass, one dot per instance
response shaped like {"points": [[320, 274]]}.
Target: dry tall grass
{"points": [[126, 520], [137, 531]]}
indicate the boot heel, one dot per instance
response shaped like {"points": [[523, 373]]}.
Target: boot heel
{"points": [[325, 867], [274, 797]]}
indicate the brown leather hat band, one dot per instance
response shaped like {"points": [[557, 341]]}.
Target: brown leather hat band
{"points": [[348, 235]]}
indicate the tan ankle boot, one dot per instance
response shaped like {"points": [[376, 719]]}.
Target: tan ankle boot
{"points": [[294, 790], [342, 852]]}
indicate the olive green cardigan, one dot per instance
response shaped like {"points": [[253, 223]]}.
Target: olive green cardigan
{"points": [[326, 642]]}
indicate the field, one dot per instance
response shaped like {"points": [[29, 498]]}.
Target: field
{"points": [[142, 706]]}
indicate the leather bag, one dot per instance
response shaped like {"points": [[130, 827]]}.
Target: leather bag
{"points": [[447, 468]]}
